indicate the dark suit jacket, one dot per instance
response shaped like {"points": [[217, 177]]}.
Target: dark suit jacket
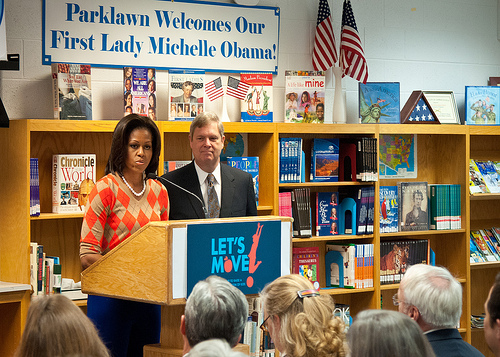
{"points": [[449, 343], [238, 197]]}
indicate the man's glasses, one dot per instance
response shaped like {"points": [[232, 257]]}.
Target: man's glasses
{"points": [[395, 300]]}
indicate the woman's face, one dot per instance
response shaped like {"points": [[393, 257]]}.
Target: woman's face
{"points": [[139, 151], [151, 101], [129, 100]]}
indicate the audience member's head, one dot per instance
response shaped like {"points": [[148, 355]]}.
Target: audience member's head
{"points": [[57, 327], [492, 318], [386, 333], [300, 320], [215, 309], [214, 348], [431, 296]]}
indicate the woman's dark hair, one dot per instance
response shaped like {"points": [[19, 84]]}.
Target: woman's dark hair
{"points": [[121, 136]]}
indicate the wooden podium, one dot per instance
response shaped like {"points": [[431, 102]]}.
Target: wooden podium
{"points": [[140, 269]]}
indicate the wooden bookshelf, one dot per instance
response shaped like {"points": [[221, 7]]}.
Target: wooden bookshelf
{"points": [[443, 155]]}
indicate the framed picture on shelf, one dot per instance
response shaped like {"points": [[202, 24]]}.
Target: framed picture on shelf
{"points": [[444, 105]]}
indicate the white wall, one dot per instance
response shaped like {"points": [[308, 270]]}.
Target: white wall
{"points": [[423, 44]]}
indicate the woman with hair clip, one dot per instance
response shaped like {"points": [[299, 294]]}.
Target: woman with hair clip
{"points": [[300, 320], [122, 202]]}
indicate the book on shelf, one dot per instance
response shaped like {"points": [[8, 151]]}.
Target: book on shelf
{"points": [[357, 265], [248, 164], [285, 204], [186, 94], [304, 96], [70, 175], [305, 262], [371, 210], [413, 206], [362, 207], [291, 164], [139, 91], [445, 206], [327, 220], [324, 160], [476, 256], [258, 103], [301, 210], [476, 180], [379, 102], [481, 105], [347, 161], [482, 246], [366, 159], [397, 256], [34, 187], [72, 91], [172, 165], [490, 176], [388, 203], [34, 267], [397, 156]]}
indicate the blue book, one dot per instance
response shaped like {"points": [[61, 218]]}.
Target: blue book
{"points": [[379, 102], [325, 160], [327, 213], [481, 105], [371, 210], [361, 199], [388, 196], [248, 164]]}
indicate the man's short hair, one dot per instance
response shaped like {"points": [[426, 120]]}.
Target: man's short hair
{"points": [[215, 309], [202, 120], [418, 192], [494, 301], [435, 293]]}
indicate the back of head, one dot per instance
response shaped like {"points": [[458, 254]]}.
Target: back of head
{"points": [[387, 333], [204, 119], [214, 348], [493, 305], [307, 325], [57, 327], [215, 309], [435, 293], [119, 143]]}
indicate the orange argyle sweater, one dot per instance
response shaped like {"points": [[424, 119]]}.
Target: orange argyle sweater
{"points": [[113, 214]]}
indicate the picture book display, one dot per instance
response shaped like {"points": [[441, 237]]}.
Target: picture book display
{"points": [[248, 164], [327, 220], [258, 103], [72, 91], [304, 96], [379, 102], [481, 105], [73, 177], [305, 262], [413, 206], [325, 160], [388, 196], [490, 175], [139, 91], [186, 94], [397, 156], [397, 256]]}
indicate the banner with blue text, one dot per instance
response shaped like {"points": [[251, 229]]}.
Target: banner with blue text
{"points": [[244, 253], [214, 37]]}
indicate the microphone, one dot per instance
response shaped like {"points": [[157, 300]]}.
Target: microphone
{"points": [[153, 176]]}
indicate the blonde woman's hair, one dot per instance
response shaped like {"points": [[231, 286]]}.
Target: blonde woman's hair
{"points": [[57, 327], [308, 327]]}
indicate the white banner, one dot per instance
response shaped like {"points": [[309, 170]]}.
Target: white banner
{"points": [[162, 34], [3, 36]]}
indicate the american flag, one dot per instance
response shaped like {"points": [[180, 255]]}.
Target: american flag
{"points": [[214, 89], [237, 88], [352, 58], [325, 51]]}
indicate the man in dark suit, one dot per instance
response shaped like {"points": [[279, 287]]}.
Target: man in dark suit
{"points": [[234, 190], [432, 297]]}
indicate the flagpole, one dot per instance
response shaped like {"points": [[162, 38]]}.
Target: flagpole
{"points": [[339, 110], [224, 116]]}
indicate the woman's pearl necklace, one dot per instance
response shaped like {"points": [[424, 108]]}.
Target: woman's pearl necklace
{"points": [[132, 190]]}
